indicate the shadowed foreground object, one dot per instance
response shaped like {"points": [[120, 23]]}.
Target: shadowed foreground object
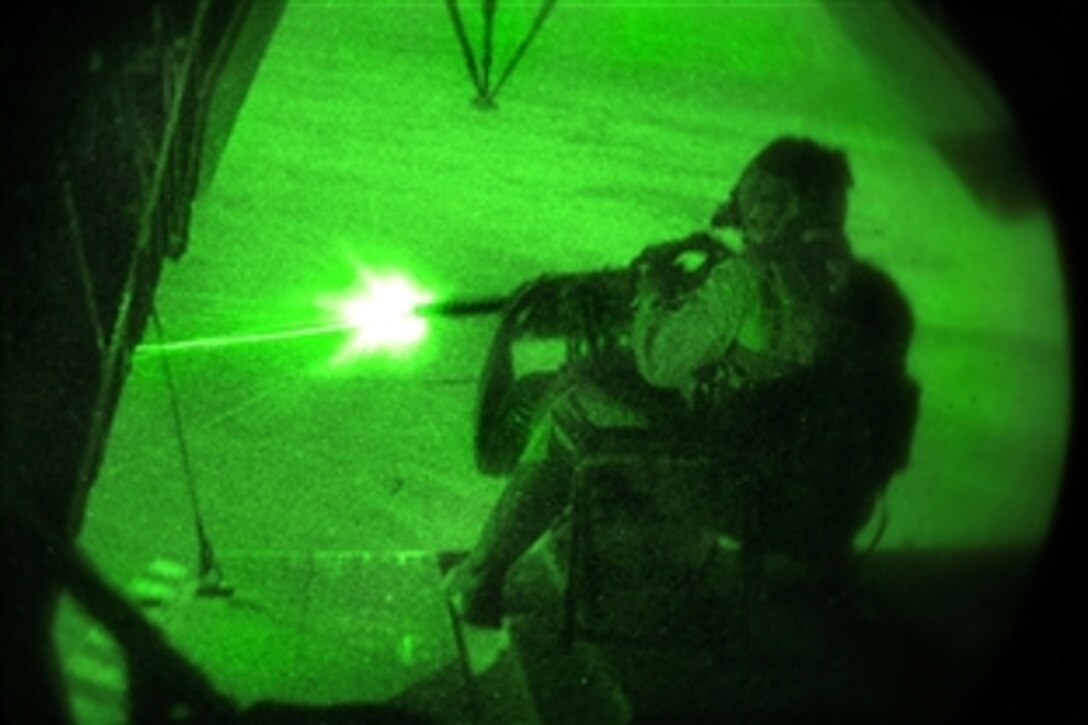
{"points": [[318, 632]]}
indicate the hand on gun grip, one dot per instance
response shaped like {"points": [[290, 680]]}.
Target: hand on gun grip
{"points": [[671, 270], [535, 310]]}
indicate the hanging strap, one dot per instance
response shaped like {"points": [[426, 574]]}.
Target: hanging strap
{"points": [[481, 74], [545, 10], [209, 575], [489, 43], [466, 48]]}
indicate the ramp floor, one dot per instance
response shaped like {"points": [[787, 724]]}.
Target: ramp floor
{"points": [[337, 630]]}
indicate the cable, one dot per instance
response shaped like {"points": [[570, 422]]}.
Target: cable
{"points": [[209, 575], [489, 8], [545, 9], [466, 49]]}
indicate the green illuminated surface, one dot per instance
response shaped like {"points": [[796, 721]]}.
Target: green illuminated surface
{"points": [[623, 126]]}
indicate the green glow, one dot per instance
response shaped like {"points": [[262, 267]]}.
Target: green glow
{"points": [[380, 312], [407, 648]]}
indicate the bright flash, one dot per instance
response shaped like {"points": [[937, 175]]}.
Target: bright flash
{"points": [[380, 314]]}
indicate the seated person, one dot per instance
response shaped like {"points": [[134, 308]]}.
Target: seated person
{"points": [[731, 345]]}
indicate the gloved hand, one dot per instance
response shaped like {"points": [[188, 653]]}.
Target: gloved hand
{"points": [[536, 308], [671, 270]]}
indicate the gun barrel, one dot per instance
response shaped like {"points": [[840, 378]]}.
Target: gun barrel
{"points": [[464, 307]]}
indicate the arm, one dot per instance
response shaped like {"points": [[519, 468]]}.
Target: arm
{"points": [[677, 334]]}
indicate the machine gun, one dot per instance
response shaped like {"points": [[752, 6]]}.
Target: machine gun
{"points": [[593, 303], [386, 311], [586, 304], [589, 312]]}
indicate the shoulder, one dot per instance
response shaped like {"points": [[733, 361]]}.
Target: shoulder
{"points": [[868, 283], [876, 301]]}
